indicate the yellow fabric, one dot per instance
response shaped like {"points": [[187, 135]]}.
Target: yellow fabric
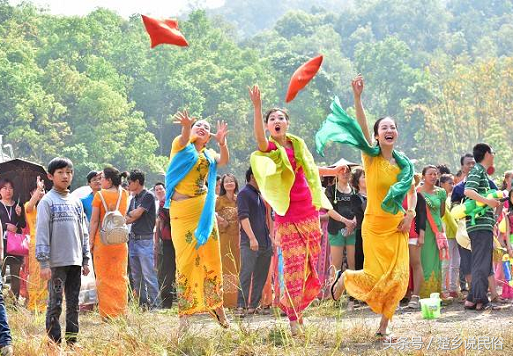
{"points": [[199, 277], [450, 224], [230, 250], [275, 176], [37, 287], [502, 225], [384, 279], [430, 285], [194, 182], [110, 262]]}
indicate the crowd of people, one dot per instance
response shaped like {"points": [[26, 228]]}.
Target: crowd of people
{"points": [[294, 233]]}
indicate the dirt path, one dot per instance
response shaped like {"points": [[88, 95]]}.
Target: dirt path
{"points": [[330, 330]]}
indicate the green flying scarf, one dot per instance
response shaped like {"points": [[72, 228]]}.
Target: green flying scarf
{"points": [[275, 176], [342, 128]]}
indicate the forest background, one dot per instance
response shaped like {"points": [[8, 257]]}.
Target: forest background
{"points": [[92, 89]]}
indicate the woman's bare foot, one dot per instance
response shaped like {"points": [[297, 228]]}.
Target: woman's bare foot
{"points": [[338, 287], [296, 327], [220, 315], [383, 326], [184, 325]]}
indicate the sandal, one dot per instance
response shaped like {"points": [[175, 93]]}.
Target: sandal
{"points": [[414, 302], [386, 338], [470, 307], [239, 312], [488, 306], [224, 324], [498, 299], [263, 311], [339, 274]]}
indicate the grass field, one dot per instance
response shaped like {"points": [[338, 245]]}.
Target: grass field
{"points": [[330, 330]]}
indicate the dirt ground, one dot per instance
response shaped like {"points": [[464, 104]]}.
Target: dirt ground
{"points": [[329, 330]]}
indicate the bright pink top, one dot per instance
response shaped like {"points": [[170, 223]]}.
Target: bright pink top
{"points": [[301, 205]]}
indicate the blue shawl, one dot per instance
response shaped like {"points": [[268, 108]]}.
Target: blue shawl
{"points": [[180, 166]]}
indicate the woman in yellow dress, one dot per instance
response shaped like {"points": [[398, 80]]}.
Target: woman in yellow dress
{"points": [[226, 209], [37, 287], [110, 261], [192, 211], [384, 279]]}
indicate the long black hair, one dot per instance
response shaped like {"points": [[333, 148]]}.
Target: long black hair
{"points": [[376, 125], [114, 175], [222, 191]]}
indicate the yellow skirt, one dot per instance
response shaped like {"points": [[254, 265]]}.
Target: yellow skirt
{"points": [[199, 281], [384, 279], [37, 287]]}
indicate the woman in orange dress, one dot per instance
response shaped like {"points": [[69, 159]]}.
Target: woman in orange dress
{"points": [[110, 261], [226, 210]]}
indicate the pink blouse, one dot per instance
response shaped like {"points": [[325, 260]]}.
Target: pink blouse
{"points": [[301, 205]]}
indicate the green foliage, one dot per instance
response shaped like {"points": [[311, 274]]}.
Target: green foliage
{"points": [[92, 89]]}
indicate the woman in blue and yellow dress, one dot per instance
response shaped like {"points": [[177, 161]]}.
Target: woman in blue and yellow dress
{"points": [[193, 227], [384, 279]]}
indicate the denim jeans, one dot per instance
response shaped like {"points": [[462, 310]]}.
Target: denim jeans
{"points": [[67, 278], [253, 272], [143, 272], [5, 331]]}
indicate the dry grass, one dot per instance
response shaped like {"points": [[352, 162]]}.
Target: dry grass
{"points": [[329, 331]]}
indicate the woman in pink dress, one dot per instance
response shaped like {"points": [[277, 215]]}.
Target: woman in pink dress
{"points": [[289, 181]]}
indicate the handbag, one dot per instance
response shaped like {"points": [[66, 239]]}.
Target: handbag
{"points": [[17, 244]]}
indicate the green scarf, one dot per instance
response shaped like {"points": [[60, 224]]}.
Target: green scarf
{"points": [[275, 176], [342, 128]]}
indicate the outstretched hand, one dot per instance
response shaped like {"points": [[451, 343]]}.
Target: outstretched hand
{"points": [[341, 169], [357, 85], [40, 187], [222, 132], [183, 119], [254, 94]]}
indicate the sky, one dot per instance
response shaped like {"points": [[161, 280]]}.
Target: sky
{"points": [[125, 8]]}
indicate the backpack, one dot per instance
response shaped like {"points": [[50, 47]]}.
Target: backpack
{"points": [[114, 229]]}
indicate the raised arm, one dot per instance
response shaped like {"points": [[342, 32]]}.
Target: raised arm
{"points": [[331, 171], [259, 129], [220, 136], [38, 194], [358, 85], [186, 121]]}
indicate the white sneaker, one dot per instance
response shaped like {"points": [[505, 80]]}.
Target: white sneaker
{"points": [[7, 350]]}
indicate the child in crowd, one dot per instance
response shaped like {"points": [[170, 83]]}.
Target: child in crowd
{"points": [[62, 249], [451, 268]]}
